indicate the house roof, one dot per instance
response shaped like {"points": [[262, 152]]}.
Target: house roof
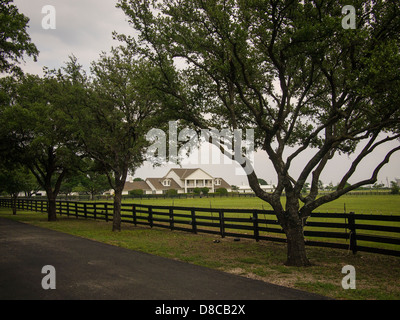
{"points": [[183, 173], [136, 185], [224, 184], [157, 183]]}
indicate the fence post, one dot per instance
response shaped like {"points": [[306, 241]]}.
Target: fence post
{"points": [[353, 234], [134, 214], [221, 223], [194, 225], [76, 210], [255, 224], [150, 218], [171, 218], [106, 210], [85, 210], [94, 210]]}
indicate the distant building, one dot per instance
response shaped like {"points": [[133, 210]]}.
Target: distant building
{"points": [[181, 180], [248, 189]]}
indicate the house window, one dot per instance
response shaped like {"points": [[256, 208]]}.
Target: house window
{"points": [[217, 182], [167, 183]]}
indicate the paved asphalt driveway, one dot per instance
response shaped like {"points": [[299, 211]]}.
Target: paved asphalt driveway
{"points": [[88, 269]]}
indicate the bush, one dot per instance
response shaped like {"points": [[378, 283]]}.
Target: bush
{"points": [[172, 192], [221, 191], [137, 192], [205, 190]]}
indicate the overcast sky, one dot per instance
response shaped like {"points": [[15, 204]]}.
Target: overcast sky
{"points": [[84, 28]]}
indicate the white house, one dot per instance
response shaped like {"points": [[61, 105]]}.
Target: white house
{"points": [[247, 189], [181, 180]]}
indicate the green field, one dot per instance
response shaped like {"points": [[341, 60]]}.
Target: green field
{"points": [[375, 204], [360, 204]]}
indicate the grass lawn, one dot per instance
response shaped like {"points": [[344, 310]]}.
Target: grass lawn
{"points": [[262, 260], [360, 204], [376, 204]]}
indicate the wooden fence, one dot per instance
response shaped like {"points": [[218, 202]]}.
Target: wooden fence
{"points": [[353, 232]]}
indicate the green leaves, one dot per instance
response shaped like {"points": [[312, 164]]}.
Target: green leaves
{"points": [[14, 40]]}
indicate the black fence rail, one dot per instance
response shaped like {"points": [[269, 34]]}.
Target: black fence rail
{"points": [[349, 231]]}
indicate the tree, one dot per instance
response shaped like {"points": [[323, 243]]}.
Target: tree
{"points": [[34, 131], [320, 185], [14, 40], [94, 182], [13, 180], [116, 110], [287, 69], [262, 182], [395, 189]]}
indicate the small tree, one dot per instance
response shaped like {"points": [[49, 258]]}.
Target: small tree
{"points": [[93, 179], [395, 189], [13, 180]]}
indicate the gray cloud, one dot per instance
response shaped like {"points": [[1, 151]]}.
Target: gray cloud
{"points": [[83, 28]]}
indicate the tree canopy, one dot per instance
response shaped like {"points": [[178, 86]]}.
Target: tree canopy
{"points": [[34, 131], [116, 108], [289, 70], [14, 39]]}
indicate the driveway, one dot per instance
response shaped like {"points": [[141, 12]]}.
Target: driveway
{"points": [[86, 269]]}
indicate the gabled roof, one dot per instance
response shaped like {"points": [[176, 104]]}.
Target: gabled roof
{"points": [[224, 184], [183, 173], [157, 183], [136, 185]]}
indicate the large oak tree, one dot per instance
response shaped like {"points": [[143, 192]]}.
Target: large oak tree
{"points": [[34, 130], [289, 70]]}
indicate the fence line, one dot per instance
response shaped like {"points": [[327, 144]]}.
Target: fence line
{"points": [[233, 194], [349, 231]]}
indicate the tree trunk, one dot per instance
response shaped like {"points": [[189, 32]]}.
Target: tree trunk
{"points": [[14, 204], [52, 209], [117, 209], [296, 248]]}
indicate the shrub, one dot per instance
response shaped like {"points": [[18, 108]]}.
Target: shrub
{"points": [[137, 192], [221, 191]]}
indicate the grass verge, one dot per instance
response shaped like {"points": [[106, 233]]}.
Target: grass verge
{"points": [[262, 260]]}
